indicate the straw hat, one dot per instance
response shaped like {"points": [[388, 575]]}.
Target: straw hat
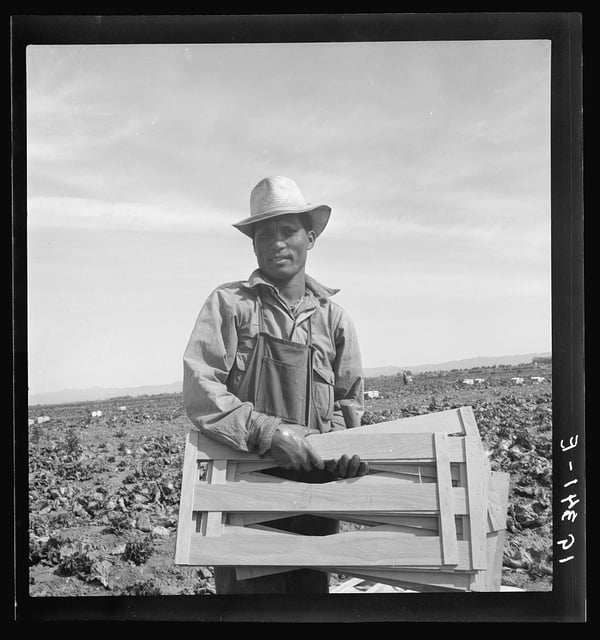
{"points": [[278, 196]]}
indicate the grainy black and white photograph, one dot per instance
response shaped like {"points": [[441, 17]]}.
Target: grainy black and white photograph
{"points": [[289, 320]]}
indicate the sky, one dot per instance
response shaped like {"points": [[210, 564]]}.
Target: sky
{"points": [[434, 157]]}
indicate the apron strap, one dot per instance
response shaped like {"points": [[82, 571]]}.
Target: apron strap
{"points": [[309, 376], [261, 317]]}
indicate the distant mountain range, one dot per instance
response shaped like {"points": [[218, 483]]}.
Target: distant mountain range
{"points": [[103, 393], [468, 363]]}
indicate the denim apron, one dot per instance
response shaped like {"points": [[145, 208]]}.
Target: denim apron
{"points": [[278, 377], [278, 381]]}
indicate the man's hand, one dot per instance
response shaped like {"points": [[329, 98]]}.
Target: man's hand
{"points": [[346, 467], [291, 450]]}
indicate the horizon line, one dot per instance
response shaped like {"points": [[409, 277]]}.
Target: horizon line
{"points": [[389, 366]]}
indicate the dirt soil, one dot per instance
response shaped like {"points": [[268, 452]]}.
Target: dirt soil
{"points": [[104, 490]]}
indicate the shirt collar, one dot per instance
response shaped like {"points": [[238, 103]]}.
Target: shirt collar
{"points": [[319, 290]]}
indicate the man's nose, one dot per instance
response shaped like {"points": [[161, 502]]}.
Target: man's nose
{"points": [[278, 240]]}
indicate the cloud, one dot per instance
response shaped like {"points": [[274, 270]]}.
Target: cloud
{"points": [[213, 120], [87, 213], [434, 157]]}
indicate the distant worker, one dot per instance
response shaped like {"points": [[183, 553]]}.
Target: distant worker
{"points": [[273, 359]]}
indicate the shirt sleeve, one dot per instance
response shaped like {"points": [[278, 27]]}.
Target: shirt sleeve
{"points": [[348, 370], [207, 361]]}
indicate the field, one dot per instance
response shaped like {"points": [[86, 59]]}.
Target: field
{"points": [[104, 490]]}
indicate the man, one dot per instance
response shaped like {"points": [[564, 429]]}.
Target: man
{"points": [[273, 359]]}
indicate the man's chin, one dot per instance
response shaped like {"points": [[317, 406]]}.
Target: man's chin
{"points": [[279, 272], [279, 275]]}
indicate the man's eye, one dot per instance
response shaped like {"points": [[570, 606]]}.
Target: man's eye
{"points": [[284, 232]]}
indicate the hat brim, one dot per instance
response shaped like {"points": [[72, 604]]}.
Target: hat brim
{"points": [[319, 216]]}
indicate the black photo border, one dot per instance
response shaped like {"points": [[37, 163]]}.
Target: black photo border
{"points": [[567, 602]]}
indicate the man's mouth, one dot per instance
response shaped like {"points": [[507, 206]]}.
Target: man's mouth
{"points": [[279, 259]]}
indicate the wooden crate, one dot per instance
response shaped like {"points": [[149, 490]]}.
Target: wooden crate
{"points": [[430, 512]]}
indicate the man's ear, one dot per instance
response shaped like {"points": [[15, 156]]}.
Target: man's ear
{"points": [[312, 238]]}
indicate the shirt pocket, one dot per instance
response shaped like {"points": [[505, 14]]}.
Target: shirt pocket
{"points": [[323, 395], [238, 371]]}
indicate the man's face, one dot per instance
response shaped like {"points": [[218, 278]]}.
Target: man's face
{"points": [[280, 246]]}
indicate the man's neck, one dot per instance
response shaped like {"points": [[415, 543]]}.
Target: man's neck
{"points": [[291, 290]]}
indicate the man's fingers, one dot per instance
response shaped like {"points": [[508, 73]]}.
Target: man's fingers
{"points": [[313, 458], [346, 467], [307, 466], [331, 466], [343, 463], [353, 467]]}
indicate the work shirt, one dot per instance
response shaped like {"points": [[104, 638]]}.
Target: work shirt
{"points": [[222, 341]]}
